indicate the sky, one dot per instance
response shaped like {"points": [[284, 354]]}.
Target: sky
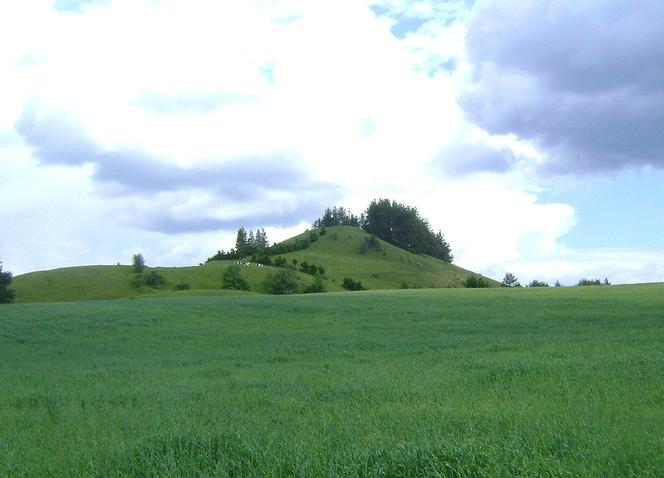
{"points": [[530, 133]]}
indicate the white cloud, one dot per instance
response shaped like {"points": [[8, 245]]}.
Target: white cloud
{"points": [[186, 83]]}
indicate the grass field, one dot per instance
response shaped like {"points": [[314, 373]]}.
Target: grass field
{"points": [[338, 251], [453, 382]]}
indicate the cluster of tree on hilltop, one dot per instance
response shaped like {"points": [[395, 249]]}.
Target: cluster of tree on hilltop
{"points": [[392, 222], [337, 216]]}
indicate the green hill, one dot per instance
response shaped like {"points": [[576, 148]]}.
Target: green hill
{"points": [[339, 251], [388, 267]]}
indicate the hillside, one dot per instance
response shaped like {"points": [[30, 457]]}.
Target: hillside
{"points": [[389, 267], [338, 251]]}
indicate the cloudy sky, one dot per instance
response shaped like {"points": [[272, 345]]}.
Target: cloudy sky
{"points": [[531, 133]]}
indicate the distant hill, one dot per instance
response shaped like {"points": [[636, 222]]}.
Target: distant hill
{"points": [[339, 251]]}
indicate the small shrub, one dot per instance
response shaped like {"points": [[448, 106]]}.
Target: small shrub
{"points": [[475, 282], [154, 279], [183, 286], [281, 282], [317, 286], [351, 284], [369, 243], [232, 279], [311, 269], [137, 281], [138, 263], [557, 284]]}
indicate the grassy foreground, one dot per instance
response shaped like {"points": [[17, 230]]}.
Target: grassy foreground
{"points": [[531, 382]]}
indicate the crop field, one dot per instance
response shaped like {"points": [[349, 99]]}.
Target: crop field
{"points": [[451, 382]]}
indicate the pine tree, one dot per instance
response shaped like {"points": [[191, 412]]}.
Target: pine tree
{"points": [[241, 242]]}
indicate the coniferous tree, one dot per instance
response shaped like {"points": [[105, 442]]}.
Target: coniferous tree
{"points": [[241, 242]]}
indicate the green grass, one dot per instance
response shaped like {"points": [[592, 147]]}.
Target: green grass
{"points": [[454, 382], [114, 282], [338, 252]]}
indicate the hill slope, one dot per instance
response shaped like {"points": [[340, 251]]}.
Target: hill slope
{"points": [[338, 251]]}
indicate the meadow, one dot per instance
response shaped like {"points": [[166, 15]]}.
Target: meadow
{"points": [[451, 382]]}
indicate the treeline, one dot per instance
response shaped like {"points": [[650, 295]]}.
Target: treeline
{"points": [[246, 244], [255, 246], [393, 222]]}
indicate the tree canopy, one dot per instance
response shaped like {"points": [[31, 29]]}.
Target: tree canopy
{"points": [[7, 295], [403, 226]]}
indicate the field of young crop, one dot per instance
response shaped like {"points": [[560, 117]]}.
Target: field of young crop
{"points": [[453, 382]]}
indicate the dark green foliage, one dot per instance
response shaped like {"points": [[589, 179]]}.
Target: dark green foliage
{"points": [[292, 246], [369, 243], [510, 280], [584, 282], [281, 282], [246, 244], [137, 281], [537, 283], [336, 216], [138, 263], [281, 262], [312, 269], [317, 285], [476, 282], [232, 279], [183, 286], [402, 226], [557, 284], [351, 284], [154, 279], [262, 258], [7, 295]]}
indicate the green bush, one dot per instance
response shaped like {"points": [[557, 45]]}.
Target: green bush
{"points": [[351, 284], [154, 279], [369, 243], [475, 282], [183, 286], [317, 286], [281, 282], [584, 282], [7, 295], [232, 279]]}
